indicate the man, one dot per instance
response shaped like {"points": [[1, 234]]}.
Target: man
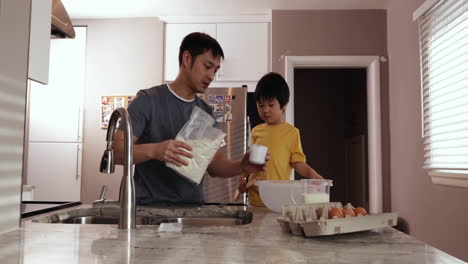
{"points": [[157, 116]]}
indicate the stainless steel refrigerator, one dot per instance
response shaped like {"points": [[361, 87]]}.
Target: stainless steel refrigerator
{"points": [[229, 109]]}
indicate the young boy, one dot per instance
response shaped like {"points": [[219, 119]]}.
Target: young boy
{"points": [[282, 139]]}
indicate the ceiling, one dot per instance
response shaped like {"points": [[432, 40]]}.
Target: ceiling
{"points": [[155, 8]]}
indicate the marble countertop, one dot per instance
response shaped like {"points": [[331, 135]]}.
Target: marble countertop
{"points": [[262, 241]]}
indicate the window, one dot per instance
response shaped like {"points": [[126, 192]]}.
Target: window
{"points": [[443, 35]]}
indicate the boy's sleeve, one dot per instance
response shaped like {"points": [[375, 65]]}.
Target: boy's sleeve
{"points": [[253, 136], [296, 149]]}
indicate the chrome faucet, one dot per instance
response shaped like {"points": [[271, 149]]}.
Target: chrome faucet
{"points": [[127, 186]]}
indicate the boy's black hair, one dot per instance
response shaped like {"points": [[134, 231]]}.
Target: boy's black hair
{"points": [[272, 85], [197, 43]]}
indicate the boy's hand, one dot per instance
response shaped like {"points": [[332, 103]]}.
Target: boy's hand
{"points": [[242, 187], [305, 170]]}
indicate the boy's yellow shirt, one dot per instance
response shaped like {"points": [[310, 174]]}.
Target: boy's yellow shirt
{"points": [[284, 146]]}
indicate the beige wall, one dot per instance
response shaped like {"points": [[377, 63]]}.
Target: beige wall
{"points": [[432, 213], [123, 56], [327, 32], [337, 32], [435, 214], [14, 46]]}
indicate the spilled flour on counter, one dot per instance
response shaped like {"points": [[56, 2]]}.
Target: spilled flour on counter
{"points": [[170, 227]]}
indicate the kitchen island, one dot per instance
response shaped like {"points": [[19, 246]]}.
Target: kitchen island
{"points": [[262, 241]]}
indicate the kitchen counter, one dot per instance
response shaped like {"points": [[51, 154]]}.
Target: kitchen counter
{"points": [[262, 241]]}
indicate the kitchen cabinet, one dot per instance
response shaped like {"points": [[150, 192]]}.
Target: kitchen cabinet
{"points": [[55, 123], [39, 42], [54, 169], [245, 46], [175, 33], [246, 50]]}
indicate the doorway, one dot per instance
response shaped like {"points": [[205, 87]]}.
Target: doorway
{"points": [[371, 64], [330, 111]]}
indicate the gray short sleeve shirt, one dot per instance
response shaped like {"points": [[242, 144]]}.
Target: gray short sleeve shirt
{"points": [[157, 115]]}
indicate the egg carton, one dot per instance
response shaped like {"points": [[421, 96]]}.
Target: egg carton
{"points": [[311, 220]]}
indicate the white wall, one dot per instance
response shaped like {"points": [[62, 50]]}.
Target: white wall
{"points": [[123, 56], [14, 46], [435, 214]]}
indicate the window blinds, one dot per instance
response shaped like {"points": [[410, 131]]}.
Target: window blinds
{"points": [[444, 69]]}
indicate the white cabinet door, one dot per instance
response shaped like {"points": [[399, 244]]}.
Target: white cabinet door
{"points": [[39, 42], [55, 171], [56, 109], [246, 49], [175, 33]]}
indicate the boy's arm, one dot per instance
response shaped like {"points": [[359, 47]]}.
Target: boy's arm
{"points": [[305, 170]]}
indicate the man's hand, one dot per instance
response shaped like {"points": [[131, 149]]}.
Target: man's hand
{"points": [[170, 150], [248, 167]]}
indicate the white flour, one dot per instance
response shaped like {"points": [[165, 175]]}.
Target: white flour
{"points": [[203, 151]]}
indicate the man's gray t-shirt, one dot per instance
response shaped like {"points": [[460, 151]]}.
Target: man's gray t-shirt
{"points": [[157, 115]]}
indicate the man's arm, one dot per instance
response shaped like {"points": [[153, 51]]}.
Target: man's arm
{"points": [[164, 151], [224, 168], [305, 170]]}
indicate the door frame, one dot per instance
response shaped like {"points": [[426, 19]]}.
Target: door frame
{"points": [[372, 65]]}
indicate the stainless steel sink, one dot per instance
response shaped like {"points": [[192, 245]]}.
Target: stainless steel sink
{"points": [[150, 216], [147, 220], [89, 220]]}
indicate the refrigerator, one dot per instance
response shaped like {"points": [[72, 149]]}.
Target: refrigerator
{"points": [[229, 110], [54, 126]]}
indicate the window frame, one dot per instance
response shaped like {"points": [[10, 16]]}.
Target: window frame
{"points": [[438, 176]]}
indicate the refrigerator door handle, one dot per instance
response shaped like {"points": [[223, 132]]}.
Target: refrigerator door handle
{"points": [[80, 130], [78, 162]]}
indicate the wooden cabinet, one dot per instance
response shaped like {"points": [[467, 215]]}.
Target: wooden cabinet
{"points": [[39, 42], [245, 46]]}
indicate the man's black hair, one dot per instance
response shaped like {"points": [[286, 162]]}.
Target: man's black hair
{"points": [[197, 43], [272, 85]]}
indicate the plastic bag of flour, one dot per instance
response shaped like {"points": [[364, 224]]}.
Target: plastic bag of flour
{"points": [[204, 139]]}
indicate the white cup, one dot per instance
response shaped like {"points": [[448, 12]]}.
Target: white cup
{"points": [[257, 154]]}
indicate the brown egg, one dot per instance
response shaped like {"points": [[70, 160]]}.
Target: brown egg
{"points": [[360, 211], [348, 206], [338, 212], [349, 212]]}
